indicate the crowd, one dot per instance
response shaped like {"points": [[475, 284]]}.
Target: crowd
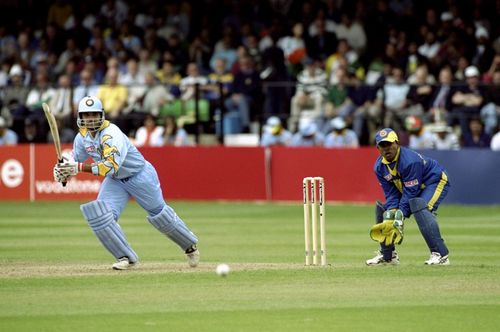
{"points": [[309, 73]]}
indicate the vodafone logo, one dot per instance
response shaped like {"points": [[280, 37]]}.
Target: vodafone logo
{"points": [[11, 173]]}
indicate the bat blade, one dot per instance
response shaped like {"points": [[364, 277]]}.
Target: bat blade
{"points": [[54, 131]]}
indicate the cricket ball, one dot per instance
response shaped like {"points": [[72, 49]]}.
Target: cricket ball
{"points": [[222, 270]]}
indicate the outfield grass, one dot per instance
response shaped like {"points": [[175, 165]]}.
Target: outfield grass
{"points": [[55, 276]]}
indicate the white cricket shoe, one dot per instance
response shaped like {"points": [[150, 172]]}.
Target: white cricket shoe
{"points": [[124, 264], [193, 256], [379, 259], [436, 259]]}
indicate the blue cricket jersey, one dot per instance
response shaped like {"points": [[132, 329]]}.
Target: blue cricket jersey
{"points": [[113, 153], [405, 177]]}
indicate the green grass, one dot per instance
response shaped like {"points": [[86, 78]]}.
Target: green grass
{"points": [[55, 276]]}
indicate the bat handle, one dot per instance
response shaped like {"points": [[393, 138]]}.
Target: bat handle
{"points": [[61, 161]]}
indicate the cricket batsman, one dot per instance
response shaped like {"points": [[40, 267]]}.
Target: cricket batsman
{"points": [[412, 184], [126, 174]]}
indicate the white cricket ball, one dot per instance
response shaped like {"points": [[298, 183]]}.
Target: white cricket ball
{"points": [[222, 270]]}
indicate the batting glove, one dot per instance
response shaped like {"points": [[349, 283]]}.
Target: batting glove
{"points": [[64, 171]]}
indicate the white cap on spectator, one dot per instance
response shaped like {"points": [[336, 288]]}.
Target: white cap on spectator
{"points": [[482, 32], [307, 128], [273, 125], [471, 71], [3, 124], [15, 70], [446, 16], [338, 123]]}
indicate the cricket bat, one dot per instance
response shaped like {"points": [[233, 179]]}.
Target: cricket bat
{"points": [[54, 132]]}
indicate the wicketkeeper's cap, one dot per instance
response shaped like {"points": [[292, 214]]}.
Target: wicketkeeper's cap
{"points": [[90, 104], [386, 135]]}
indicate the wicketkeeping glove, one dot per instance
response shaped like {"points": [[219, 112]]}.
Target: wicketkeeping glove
{"points": [[390, 231]]}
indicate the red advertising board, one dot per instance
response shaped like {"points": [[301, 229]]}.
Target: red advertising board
{"points": [[15, 173], [204, 173], [348, 173], [83, 187], [209, 172]]}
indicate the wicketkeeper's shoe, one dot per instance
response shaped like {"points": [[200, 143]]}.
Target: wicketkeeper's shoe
{"points": [[437, 259], [193, 256], [124, 264], [379, 259]]}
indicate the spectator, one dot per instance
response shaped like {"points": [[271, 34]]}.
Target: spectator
{"points": [[224, 49], [220, 75], [68, 54], [495, 141], [14, 95], [42, 92], [338, 101], [341, 136], [146, 63], [173, 135], [200, 50], [132, 77], [149, 134], [345, 58], [32, 132], [490, 112], [273, 75], [392, 98], [149, 102], [443, 137], [114, 12], [484, 52], [310, 93], [440, 102], [66, 135], [308, 135], [114, 97], [24, 49], [7, 136], [60, 103], [246, 92], [366, 116], [189, 82], [430, 48], [421, 91], [155, 96], [274, 134], [59, 13], [353, 32], [475, 137], [467, 100], [419, 137], [87, 87], [169, 76], [294, 47], [324, 43]]}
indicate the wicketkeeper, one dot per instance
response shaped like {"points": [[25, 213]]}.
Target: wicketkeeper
{"points": [[126, 174], [412, 184]]}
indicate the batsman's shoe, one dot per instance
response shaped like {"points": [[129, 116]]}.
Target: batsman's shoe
{"points": [[437, 259], [124, 264], [193, 256], [379, 259]]}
